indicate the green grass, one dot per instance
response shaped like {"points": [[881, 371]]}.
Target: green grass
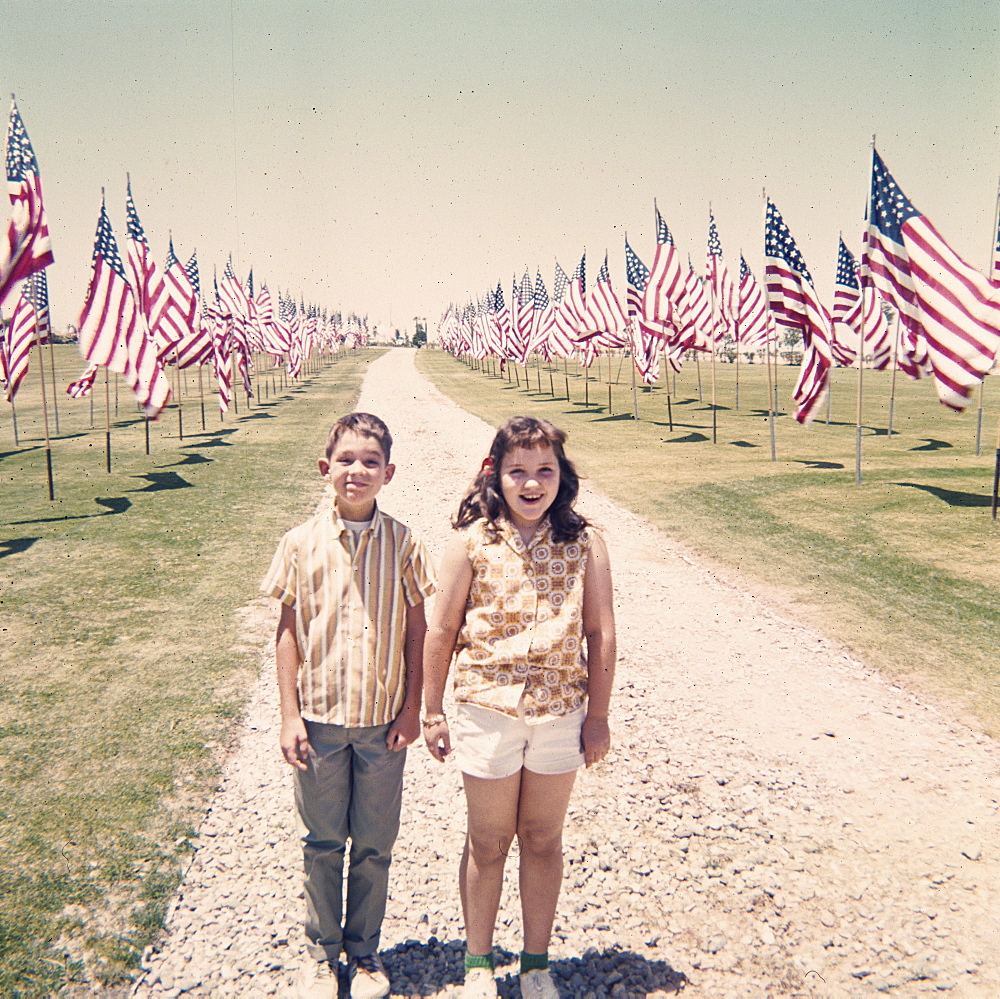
{"points": [[901, 568], [122, 660]]}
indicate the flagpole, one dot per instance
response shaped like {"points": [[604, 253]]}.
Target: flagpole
{"points": [[668, 370], [635, 397], [861, 369], [107, 418], [201, 394], [772, 384], [13, 417], [892, 384], [52, 366], [45, 417], [180, 407]]}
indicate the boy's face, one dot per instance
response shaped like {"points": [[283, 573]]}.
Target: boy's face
{"points": [[357, 470]]}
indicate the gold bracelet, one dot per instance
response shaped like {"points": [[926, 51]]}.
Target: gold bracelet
{"points": [[433, 720]]}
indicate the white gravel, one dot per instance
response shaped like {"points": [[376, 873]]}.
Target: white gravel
{"points": [[774, 818]]}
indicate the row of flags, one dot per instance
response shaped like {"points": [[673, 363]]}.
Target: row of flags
{"points": [[139, 318], [949, 313]]}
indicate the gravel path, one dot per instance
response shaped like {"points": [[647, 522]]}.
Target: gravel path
{"points": [[774, 818]]}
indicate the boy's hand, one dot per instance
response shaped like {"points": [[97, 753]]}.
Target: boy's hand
{"points": [[596, 739], [438, 740], [404, 729], [295, 743]]}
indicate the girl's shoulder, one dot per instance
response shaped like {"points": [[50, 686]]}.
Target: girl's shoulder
{"points": [[474, 535]]}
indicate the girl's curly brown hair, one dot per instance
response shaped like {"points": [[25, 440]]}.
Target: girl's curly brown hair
{"points": [[484, 500]]}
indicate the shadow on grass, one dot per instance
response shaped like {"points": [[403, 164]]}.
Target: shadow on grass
{"points": [[817, 464], [618, 418], [20, 450], [112, 505], [417, 969], [14, 546], [692, 438], [258, 415], [162, 480], [932, 445], [950, 496], [190, 459], [743, 444]]}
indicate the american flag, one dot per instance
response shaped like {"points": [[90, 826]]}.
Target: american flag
{"points": [[605, 323], [111, 331], [847, 315], [646, 339], [792, 296], [40, 299], [191, 268], [542, 318], [563, 327], [148, 286], [950, 311], [525, 316], [754, 320], [664, 300], [720, 281], [576, 294], [695, 331], [15, 343], [276, 339], [80, 389], [27, 248], [180, 311]]}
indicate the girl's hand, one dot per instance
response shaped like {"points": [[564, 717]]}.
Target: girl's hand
{"points": [[438, 740], [596, 737]]}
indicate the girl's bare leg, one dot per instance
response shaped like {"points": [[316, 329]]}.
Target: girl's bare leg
{"points": [[492, 822], [540, 818]]}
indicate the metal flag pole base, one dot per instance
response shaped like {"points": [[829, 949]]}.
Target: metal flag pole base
{"points": [[52, 488], [147, 434], [996, 485]]}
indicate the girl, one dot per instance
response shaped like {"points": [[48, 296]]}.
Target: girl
{"points": [[522, 584]]}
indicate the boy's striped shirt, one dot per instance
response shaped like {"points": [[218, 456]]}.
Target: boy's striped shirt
{"points": [[350, 593]]}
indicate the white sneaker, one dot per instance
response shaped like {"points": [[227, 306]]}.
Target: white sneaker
{"points": [[479, 984], [368, 977], [538, 984], [317, 980]]}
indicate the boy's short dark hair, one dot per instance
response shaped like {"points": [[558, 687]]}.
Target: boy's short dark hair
{"points": [[364, 424]]}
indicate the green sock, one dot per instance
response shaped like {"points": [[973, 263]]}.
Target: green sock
{"points": [[479, 961], [529, 962]]}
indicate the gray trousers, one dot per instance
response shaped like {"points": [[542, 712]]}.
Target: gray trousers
{"points": [[352, 791]]}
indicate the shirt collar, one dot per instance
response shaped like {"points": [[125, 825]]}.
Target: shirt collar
{"points": [[512, 535], [338, 524]]}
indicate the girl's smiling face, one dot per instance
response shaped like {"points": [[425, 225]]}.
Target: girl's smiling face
{"points": [[529, 481]]}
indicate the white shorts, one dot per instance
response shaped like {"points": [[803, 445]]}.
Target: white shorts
{"points": [[493, 745]]}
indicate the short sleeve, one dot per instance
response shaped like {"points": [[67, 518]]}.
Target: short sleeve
{"points": [[418, 573], [282, 578]]}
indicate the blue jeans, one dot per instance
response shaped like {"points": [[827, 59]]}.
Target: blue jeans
{"points": [[352, 791]]}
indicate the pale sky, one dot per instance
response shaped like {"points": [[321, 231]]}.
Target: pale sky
{"points": [[390, 157]]}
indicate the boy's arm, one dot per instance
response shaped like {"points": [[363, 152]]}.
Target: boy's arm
{"points": [[406, 726], [454, 581], [294, 739], [599, 629]]}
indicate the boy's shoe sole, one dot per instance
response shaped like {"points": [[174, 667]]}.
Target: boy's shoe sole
{"points": [[317, 980], [368, 977]]}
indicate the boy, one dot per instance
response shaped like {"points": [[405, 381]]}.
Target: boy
{"points": [[349, 651]]}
